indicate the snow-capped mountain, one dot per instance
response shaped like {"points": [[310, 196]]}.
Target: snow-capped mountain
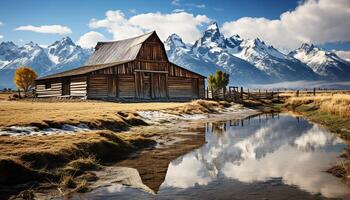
{"points": [[324, 63], [247, 61], [210, 53], [61, 55]]}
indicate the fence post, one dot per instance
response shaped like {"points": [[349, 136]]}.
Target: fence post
{"points": [[314, 91], [242, 93], [297, 93]]}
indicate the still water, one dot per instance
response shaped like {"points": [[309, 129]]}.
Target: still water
{"points": [[263, 157]]}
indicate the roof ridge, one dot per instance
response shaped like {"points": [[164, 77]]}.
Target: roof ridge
{"points": [[107, 42]]}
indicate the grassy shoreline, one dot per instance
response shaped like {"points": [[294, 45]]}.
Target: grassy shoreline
{"points": [[331, 111]]}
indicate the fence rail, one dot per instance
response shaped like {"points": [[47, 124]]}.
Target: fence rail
{"points": [[235, 93]]}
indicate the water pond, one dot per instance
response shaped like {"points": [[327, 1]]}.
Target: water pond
{"points": [[262, 157]]}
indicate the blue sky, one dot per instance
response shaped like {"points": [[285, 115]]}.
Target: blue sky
{"points": [[264, 20]]}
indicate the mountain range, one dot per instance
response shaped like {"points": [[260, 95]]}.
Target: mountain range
{"points": [[248, 61], [252, 61], [60, 56]]}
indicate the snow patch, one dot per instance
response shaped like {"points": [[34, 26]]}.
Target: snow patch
{"points": [[35, 131], [157, 117]]}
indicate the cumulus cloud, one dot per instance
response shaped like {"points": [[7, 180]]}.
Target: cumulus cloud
{"points": [[182, 23], [50, 29], [343, 54], [1, 36], [313, 21], [90, 39]]}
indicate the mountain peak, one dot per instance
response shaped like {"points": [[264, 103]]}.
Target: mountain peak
{"points": [[307, 47], [65, 41], [174, 36], [174, 41], [213, 26]]}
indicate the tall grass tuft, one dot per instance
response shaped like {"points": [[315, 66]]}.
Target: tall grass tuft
{"points": [[337, 104]]}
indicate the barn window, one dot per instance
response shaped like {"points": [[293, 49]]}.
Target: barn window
{"points": [[47, 85]]}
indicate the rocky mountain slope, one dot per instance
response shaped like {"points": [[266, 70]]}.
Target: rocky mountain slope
{"points": [[324, 63]]}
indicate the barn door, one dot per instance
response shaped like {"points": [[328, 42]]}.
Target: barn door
{"points": [[65, 87], [143, 85], [112, 86], [159, 89], [195, 89]]}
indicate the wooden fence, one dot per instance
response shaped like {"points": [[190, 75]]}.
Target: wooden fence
{"points": [[235, 93]]}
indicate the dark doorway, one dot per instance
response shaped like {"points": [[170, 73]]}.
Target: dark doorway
{"points": [[195, 89], [65, 88]]}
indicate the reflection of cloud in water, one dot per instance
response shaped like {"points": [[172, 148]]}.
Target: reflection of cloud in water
{"points": [[295, 150], [306, 170], [188, 173], [315, 138]]}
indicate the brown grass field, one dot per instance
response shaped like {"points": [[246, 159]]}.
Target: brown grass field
{"points": [[29, 113], [337, 104]]}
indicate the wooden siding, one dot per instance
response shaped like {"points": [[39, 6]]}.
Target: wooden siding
{"points": [[54, 91], [98, 86], [152, 49], [78, 87], [126, 86], [180, 72], [180, 87]]}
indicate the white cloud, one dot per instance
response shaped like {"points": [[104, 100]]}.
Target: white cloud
{"points": [[50, 29], [90, 39], [343, 54], [184, 24], [195, 5], [175, 2], [1, 23], [179, 10], [133, 11], [1, 36], [313, 21]]}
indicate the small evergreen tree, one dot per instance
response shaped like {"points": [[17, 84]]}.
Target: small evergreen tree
{"points": [[25, 78], [218, 81]]}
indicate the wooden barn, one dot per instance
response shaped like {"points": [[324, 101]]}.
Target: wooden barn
{"points": [[131, 69]]}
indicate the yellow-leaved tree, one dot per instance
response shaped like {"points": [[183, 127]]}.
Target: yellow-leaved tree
{"points": [[25, 78]]}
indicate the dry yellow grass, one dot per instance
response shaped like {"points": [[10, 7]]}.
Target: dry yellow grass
{"points": [[26, 112], [337, 104]]}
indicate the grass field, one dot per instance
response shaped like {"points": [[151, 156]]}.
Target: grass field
{"points": [[28, 113]]}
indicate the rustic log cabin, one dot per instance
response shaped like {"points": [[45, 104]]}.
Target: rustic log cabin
{"points": [[131, 69]]}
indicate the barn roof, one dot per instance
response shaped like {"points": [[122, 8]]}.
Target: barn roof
{"points": [[82, 70], [122, 50], [109, 54]]}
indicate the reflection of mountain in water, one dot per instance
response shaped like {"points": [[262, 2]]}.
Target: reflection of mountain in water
{"points": [[263, 148]]}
